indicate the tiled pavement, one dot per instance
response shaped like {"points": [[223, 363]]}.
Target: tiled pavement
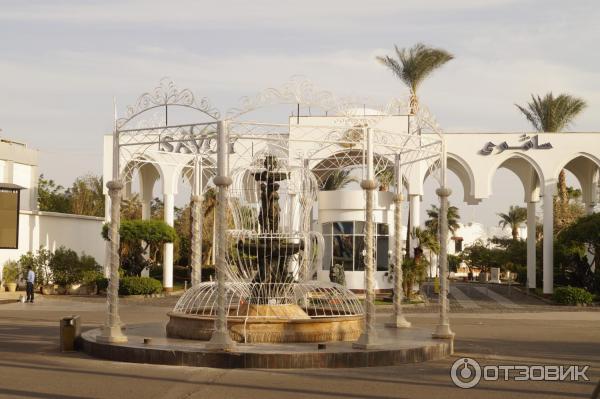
{"points": [[485, 298]]}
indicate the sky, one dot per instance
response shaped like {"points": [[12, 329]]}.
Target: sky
{"points": [[63, 62]]}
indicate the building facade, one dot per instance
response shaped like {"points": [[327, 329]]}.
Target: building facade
{"points": [[535, 158], [37, 229]]}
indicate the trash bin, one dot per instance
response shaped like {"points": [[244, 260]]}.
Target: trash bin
{"points": [[70, 330]]}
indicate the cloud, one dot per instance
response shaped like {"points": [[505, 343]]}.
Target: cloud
{"points": [[229, 13]]}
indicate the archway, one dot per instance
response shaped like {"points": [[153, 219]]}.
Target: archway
{"points": [[526, 174]]}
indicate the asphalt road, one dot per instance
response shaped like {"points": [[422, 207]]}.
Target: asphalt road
{"points": [[32, 367]]}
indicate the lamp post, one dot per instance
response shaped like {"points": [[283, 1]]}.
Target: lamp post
{"points": [[111, 331], [397, 319], [442, 330], [368, 339], [220, 339], [196, 210]]}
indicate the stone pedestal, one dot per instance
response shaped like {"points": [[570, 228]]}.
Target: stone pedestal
{"points": [[495, 275]]}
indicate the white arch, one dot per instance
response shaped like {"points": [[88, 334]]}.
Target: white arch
{"points": [[465, 174], [566, 160], [586, 174], [524, 176], [338, 159], [185, 171]]}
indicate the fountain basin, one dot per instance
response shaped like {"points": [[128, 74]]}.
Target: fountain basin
{"points": [[268, 329]]}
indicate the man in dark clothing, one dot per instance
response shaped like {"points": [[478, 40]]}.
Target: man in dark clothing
{"points": [[30, 283]]}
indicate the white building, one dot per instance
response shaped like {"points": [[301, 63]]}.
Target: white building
{"points": [[36, 229], [536, 159]]}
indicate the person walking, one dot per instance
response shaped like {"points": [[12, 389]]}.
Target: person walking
{"points": [[30, 283]]}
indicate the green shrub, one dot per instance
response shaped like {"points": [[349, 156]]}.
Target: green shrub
{"points": [[90, 277], [65, 267], [134, 285], [102, 283], [69, 268], [572, 296], [11, 272]]}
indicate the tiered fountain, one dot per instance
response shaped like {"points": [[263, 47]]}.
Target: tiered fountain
{"points": [[272, 260]]}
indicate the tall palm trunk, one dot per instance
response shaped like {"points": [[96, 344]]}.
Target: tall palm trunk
{"points": [[414, 103], [515, 233], [562, 188]]}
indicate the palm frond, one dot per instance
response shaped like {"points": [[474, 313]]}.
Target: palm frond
{"points": [[552, 114], [337, 179], [413, 65]]}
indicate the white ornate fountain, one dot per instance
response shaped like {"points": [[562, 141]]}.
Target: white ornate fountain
{"points": [[272, 257]]}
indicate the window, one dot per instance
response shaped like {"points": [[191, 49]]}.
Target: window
{"points": [[342, 250], [343, 228], [345, 245]]}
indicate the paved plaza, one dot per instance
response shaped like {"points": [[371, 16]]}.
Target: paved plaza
{"points": [[499, 332]]}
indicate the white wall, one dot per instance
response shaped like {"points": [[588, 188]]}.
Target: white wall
{"points": [[52, 230]]}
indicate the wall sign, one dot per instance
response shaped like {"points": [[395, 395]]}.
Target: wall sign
{"points": [[527, 143], [188, 144]]}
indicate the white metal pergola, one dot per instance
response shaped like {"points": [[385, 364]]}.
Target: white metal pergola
{"points": [[210, 147]]}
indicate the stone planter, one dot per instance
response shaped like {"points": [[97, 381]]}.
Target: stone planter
{"points": [[11, 287], [82, 289], [48, 289], [73, 289]]}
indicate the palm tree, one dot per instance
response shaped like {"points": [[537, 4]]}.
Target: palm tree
{"points": [[433, 222], [553, 114], [337, 179], [131, 208], [426, 240], [413, 65], [515, 217]]}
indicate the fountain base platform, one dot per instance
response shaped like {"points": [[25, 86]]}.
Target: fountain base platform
{"points": [[398, 346]]}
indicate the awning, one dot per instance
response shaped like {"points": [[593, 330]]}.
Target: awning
{"points": [[11, 187]]}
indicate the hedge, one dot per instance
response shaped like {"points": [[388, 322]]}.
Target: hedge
{"points": [[572, 296], [139, 286]]}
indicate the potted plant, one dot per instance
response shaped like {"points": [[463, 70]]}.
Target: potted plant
{"points": [[10, 274]]}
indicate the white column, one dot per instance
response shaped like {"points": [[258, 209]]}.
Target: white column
{"points": [[196, 215], [397, 319], [169, 218], [414, 208], [368, 339], [443, 330], [111, 331], [107, 244], [146, 208], [531, 229], [220, 339], [590, 204], [548, 252]]}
